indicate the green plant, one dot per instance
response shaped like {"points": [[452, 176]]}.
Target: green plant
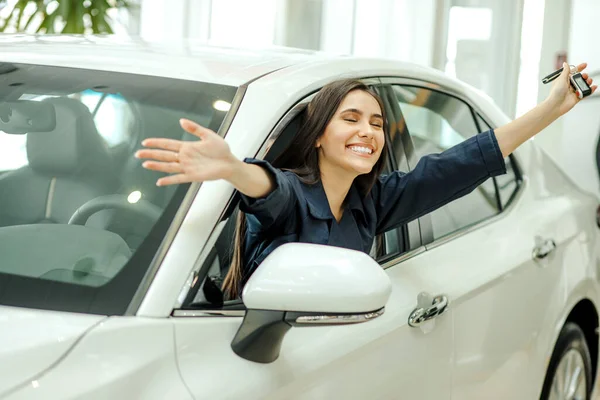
{"points": [[60, 16]]}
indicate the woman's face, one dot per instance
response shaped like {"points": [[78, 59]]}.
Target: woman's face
{"points": [[354, 139]]}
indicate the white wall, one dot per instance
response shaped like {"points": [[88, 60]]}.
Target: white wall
{"points": [[571, 141], [399, 29], [224, 22], [483, 42]]}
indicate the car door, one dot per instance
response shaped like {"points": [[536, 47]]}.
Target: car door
{"points": [[383, 358], [502, 298]]}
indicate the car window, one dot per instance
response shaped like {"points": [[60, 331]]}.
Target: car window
{"points": [[397, 241], [80, 219], [436, 122], [206, 292]]}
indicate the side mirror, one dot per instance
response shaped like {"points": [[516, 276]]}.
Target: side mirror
{"points": [[304, 285]]}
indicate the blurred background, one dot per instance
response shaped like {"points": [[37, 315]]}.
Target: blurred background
{"points": [[502, 47]]}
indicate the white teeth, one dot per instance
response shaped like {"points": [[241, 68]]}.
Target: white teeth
{"points": [[360, 149]]}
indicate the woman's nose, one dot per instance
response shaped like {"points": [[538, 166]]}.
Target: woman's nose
{"points": [[366, 131]]}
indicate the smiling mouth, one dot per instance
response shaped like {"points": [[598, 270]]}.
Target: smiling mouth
{"points": [[362, 150]]}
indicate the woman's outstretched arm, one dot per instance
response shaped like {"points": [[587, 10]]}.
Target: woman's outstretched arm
{"points": [[206, 159], [561, 99], [438, 179]]}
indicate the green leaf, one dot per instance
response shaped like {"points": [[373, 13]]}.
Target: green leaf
{"points": [[71, 24], [51, 19], [64, 8], [42, 24], [95, 28], [31, 18], [79, 12], [21, 6], [71, 11], [47, 23], [8, 18]]}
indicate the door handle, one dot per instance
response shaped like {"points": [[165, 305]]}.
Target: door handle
{"points": [[543, 248], [439, 304]]}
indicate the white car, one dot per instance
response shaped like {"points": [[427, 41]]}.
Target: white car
{"points": [[103, 275]]}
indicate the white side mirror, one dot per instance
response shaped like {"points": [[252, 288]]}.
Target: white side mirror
{"points": [[303, 284]]}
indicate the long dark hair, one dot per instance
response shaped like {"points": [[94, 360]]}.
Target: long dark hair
{"points": [[302, 157]]}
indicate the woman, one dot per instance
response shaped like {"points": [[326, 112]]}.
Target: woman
{"points": [[326, 187]]}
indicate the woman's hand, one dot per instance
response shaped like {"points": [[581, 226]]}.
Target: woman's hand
{"points": [[563, 96], [204, 160]]}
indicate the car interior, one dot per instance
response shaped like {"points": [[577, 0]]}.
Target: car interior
{"points": [[70, 167], [76, 207]]}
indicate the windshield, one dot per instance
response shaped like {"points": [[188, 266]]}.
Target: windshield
{"points": [[80, 219]]}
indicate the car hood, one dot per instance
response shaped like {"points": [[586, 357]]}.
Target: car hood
{"points": [[33, 340]]}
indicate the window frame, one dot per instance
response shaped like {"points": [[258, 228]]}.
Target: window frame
{"points": [[425, 221], [413, 229], [199, 272]]}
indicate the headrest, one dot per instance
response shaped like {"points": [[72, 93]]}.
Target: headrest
{"points": [[73, 147]]}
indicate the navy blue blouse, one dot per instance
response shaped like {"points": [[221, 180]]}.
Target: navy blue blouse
{"points": [[296, 212]]}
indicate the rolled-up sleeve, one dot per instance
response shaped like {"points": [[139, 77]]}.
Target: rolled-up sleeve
{"points": [[273, 210], [436, 180]]}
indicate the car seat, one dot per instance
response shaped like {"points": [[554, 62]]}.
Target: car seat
{"points": [[66, 167]]}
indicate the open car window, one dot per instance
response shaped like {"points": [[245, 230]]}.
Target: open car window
{"points": [[206, 292], [80, 219]]}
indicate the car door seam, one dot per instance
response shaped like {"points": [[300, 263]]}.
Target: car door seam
{"points": [[63, 356]]}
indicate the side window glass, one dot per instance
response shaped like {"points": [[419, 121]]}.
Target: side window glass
{"points": [[508, 183], [391, 243], [436, 122], [404, 238]]}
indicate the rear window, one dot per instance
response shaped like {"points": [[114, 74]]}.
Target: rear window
{"points": [[80, 219]]}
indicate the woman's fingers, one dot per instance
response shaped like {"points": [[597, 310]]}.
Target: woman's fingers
{"points": [[194, 128], [168, 167], [158, 155], [589, 81], [173, 180], [161, 143], [581, 67]]}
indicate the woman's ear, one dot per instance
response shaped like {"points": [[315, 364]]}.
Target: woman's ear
{"points": [[318, 144]]}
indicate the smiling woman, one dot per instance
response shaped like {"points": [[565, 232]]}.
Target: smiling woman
{"points": [[325, 188]]}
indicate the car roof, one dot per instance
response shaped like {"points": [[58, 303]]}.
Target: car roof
{"points": [[185, 59], [288, 70]]}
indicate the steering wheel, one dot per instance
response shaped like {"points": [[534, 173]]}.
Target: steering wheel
{"points": [[143, 208]]}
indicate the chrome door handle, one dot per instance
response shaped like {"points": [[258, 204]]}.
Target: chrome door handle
{"points": [[423, 314], [543, 248]]}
